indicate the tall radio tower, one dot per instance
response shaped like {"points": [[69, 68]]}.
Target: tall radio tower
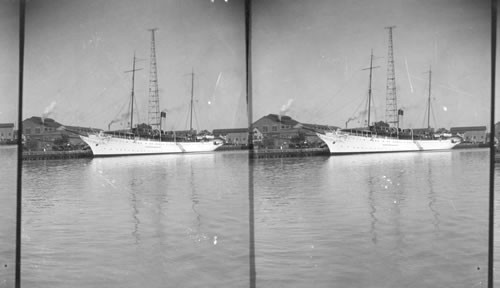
{"points": [[391, 100], [154, 98]]}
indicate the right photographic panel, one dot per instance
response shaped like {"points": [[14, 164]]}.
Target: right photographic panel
{"points": [[371, 128]]}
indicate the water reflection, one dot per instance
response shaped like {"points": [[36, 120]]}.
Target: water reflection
{"points": [[196, 232], [152, 220], [432, 196], [136, 221], [321, 220], [397, 186], [373, 209]]}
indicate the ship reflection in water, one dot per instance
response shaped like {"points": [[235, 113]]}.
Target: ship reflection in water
{"points": [[373, 220], [378, 220]]}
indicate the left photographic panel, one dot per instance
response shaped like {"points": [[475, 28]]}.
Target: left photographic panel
{"points": [[129, 179], [9, 83]]}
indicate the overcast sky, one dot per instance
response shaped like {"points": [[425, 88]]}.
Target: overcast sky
{"points": [[9, 60], [77, 52], [307, 59], [310, 54]]}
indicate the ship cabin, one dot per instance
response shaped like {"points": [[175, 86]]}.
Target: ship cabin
{"points": [[359, 132], [385, 131]]}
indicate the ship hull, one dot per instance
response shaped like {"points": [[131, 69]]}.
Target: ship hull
{"points": [[345, 143], [104, 145]]}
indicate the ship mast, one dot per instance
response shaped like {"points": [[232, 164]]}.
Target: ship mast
{"points": [[154, 98], [132, 93], [192, 93], [391, 105], [370, 86], [429, 102]]}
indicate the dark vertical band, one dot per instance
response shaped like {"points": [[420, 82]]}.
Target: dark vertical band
{"points": [[248, 64], [492, 143], [22, 9]]}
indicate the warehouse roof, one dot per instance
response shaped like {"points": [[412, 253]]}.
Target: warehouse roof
{"points": [[44, 121], [467, 129], [6, 125]]}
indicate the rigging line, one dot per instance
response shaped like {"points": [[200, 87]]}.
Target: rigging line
{"points": [[95, 105], [424, 116], [446, 86], [426, 110], [137, 110], [359, 106], [366, 109], [374, 110], [187, 120], [329, 99], [196, 118], [341, 90], [106, 88], [120, 111], [98, 104], [95, 109], [434, 118], [128, 118], [117, 118]]}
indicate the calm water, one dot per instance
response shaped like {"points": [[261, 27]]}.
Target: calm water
{"points": [[388, 220], [8, 178]]}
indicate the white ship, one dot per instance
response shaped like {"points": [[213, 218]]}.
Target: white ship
{"points": [[373, 140], [361, 141], [110, 144]]}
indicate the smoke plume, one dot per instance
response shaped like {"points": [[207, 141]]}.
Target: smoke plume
{"points": [[48, 110], [285, 108], [123, 117], [361, 114]]}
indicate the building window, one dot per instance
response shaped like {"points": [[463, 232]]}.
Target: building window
{"points": [[27, 131], [275, 128], [264, 129], [45, 129], [9, 133], [37, 130], [2, 134]]}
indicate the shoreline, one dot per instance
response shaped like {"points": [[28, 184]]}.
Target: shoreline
{"points": [[50, 155], [254, 154]]}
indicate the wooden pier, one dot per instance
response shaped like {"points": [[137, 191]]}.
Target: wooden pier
{"points": [[285, 153], [232, 147], [48, 155]]}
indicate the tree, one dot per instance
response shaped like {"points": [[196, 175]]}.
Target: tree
{"points": [[30, 144], [268, 142], [380, 125], [299, 139], [442, 130], [62, 141]]}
